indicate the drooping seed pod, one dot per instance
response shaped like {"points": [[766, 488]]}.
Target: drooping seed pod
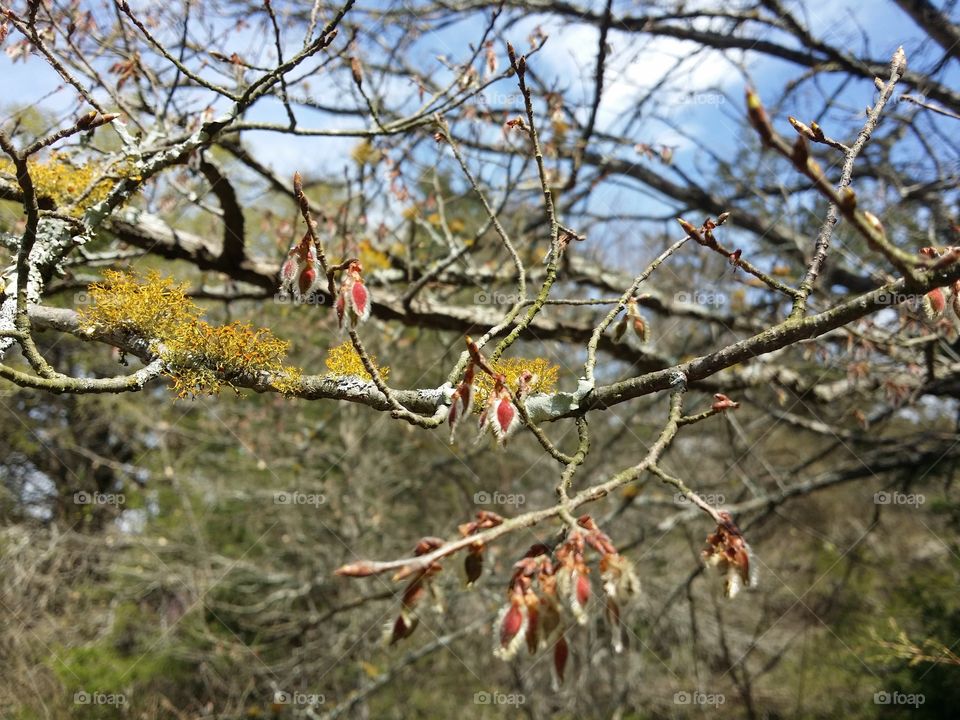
{"points": [[561, 653], [533, 625], [473, 564], [728, 551], [461, 402], [402, 627]]}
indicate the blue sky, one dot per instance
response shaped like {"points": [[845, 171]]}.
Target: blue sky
{"points": [[707, 104]]}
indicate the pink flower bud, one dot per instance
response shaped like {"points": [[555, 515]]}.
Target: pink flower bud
{"points": [[721, 402], [505, 414], [307, 280], [353, 300], [500, 416], [934, 303], [360, 300], [583, 590], [288, 271], [512, 624]]}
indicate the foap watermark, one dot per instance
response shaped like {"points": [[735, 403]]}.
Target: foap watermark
{"points": [[884, 697], [313, 298], [697, 697], [498, 498], [283, 697], [98, 498], [700, 297], [498, 100], [82, 697], [495, 298], [498, 698], [913, 98], [710, 498], [893, 298], [885, 497], [295, 497], [702, 98]]}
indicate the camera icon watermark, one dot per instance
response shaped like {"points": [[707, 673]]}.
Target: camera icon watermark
{"points": [[295, 497], [498, 698], [698, 697], [885, 497], [83, 497], [884, 697], [483, 497]]}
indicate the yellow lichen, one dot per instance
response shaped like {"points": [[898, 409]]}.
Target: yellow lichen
{"points": [[63, 182], [371, 258], [200, 358], [366, 153], [546, 376], [149, 305], [344, 360]]}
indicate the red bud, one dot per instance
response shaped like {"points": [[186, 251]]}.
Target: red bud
{"points": [[560, 654], [511, 625], [307, 280], [583, 590]]}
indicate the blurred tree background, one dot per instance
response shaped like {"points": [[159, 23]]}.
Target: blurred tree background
{"points": [[165, 557]]}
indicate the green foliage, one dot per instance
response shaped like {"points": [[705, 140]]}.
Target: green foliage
{"points": [[120, 671]]}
